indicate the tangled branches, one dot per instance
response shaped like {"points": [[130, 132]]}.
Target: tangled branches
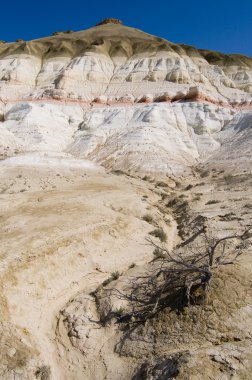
{"points": [[179, 278]]}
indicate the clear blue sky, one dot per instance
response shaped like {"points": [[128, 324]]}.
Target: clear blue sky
{"points": [[217, 25]]}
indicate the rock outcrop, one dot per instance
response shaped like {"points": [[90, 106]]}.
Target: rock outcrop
{"points": [[115, 60], [121, 97], [109, 136]]}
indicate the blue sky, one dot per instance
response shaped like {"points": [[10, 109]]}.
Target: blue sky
{"points": [[216, 25]]}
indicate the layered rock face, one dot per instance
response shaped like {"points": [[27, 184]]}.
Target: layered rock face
{"points": [[109, 136], [152, 138], [121, 97], [120, 64]]}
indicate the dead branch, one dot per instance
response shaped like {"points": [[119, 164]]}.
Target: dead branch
{"points": [[182, 277]]}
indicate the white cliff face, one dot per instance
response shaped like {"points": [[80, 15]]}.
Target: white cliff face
{"points": [[154, 138], [235, 144], [89, 76], [37, 127], [122, 98], [158, 137], [115, 61]]}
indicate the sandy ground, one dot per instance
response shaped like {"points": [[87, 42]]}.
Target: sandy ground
{"points": [[215, 339], [64, 230]]}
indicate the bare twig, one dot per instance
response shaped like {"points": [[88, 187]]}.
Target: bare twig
{"points": [[181, 277]]}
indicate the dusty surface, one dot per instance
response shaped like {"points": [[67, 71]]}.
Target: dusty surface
{"points": [[64, 231], [211, 341], [106, 135]]}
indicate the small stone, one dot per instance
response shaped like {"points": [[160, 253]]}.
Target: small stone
{"points": [[11, 352], [72, 333]]}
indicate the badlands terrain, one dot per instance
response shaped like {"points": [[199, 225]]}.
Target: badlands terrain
{"points": [[107, 135]]}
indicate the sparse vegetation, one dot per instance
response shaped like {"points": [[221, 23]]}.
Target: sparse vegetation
{"points": [[159, 233], [196, 198], [172, 202], [119, 311], [212, 202], [146, 178], [115, 275], [229, 178], [181, 278], [56, 33], [132, 265], [158, 254], [229, 217], [189, 187], [162, 184], [118, 172], [43, 373], [182, 196], [180, 209], [108, 281], [148, 218], [62, 32], [248, 205], [163, 196], [204, 174], [167, 221], [109, 21]]}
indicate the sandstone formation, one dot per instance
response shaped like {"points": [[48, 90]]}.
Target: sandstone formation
{"points": [[106, 135], [115, 60], [101, 78]]}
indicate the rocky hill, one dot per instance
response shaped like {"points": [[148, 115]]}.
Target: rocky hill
{"points": [[110, 136], [121, 97]]}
